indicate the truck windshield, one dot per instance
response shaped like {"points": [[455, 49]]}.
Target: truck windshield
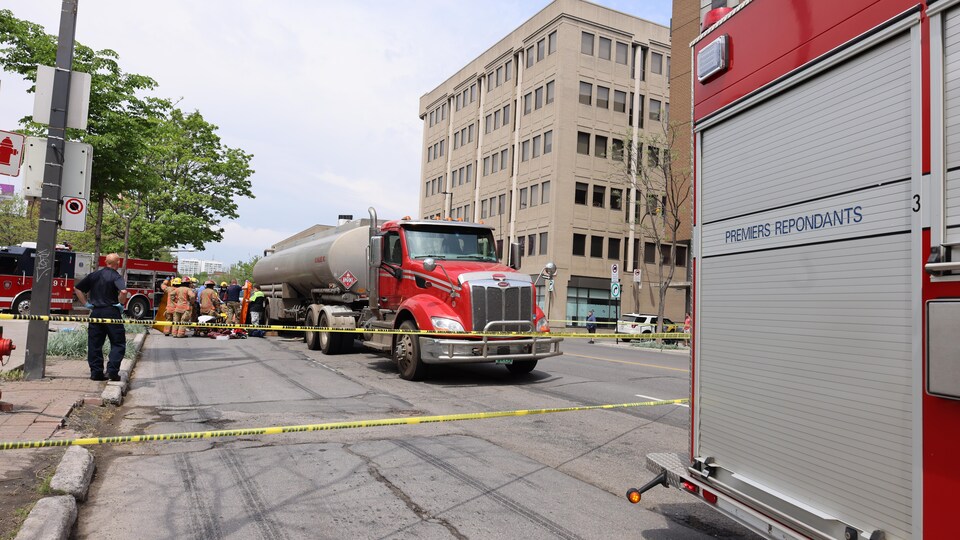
{"points": [[454, 243]]}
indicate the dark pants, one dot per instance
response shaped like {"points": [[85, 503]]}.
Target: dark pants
{"points": [[97, 334]]}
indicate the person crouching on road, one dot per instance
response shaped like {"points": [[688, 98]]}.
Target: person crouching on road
{"points": [[257, 301], [107, 291], [233, 302]]}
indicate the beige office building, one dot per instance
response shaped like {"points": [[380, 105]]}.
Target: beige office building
{"points": [[527, 138]]}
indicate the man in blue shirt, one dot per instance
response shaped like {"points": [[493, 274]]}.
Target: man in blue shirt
{"points": [[233, 302], [107, 292], [591, 325]]}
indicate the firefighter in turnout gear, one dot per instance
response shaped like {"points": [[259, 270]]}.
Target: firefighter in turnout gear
{"points": [[183, 299], [209, 300]]}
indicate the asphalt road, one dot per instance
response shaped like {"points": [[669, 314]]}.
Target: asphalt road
{"points": [[560, 475]]}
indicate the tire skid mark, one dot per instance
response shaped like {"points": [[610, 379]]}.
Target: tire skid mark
{"points": [[506, 502], [251, 495], [282, 375], [192, 397], [202, 522]]}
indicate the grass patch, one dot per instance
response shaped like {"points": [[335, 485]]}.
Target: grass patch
{"points": [[44, 487], [12, 375], [73, 342]]}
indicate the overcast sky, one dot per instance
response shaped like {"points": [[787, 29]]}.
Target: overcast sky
{"points": [[324, 94]]}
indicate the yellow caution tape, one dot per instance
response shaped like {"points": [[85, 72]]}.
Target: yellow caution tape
{"points": [[277, 430], [88, 320]]}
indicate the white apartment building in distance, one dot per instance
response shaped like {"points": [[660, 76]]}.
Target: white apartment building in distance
{"points": [[524, 138], [211, 267]]}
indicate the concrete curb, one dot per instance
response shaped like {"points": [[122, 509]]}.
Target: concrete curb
{"points": [[53, 517], [115, 390]]}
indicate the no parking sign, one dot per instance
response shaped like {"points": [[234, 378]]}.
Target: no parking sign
{"points": [[73, 214]]}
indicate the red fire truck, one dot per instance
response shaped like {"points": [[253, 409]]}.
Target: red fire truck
{"points": [[825, 374], [16, 278], [143, 283]]}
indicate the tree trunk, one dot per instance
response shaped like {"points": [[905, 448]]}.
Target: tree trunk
{"points": [[126, 247], [98, 229]]}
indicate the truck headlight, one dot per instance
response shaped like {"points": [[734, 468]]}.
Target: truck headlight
{"points": [[443, 323], [543, 325]]}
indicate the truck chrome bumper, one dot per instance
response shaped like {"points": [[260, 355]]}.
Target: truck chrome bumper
{"points": [[465, 351]]}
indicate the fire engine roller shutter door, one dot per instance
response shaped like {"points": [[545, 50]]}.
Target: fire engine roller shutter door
{"points": [[951, 80], [804, 292]]}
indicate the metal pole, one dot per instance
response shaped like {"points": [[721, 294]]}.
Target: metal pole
{"points": [[36, 354]]}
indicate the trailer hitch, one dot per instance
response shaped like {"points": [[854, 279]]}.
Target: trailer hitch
{"points": [[634, 494]]}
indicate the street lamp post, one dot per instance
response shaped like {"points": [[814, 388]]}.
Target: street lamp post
{"points": [[446, 211]]}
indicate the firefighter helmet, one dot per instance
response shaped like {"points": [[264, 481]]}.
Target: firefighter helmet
{"points": [[176, 282]]}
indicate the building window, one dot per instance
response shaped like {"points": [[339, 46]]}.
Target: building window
{"points": [[583, 143], [496, 119], [456, 140], [523, 197], [508, 70], [501, 203], [599, 194], [550, 92], [536, 146], [653, 204], [486, 165], [548, 142], [528, 103], [552, 42], [489, 81], [656, 63], [543, 243], [494, 163], [469, 172], [600, 146], [538, 98], [655, 110], [586, 92], [531, 244], [499, 75], [466, 213], [470, 133], [586, 43], [613, 248], [431, 118], [649, 253], [534, 194], [458, 101], [483, 209], [621, 53], [473, 92], [443, 111], [525, 150], [580, 193], [506, 114], [604, 48], [617, 152], [441, 146], [530, 56], [579, 244], [619, 101], [665, 253], [545, 192], [504, 158], [653, 156], [680, 256], [596, 247], [603, 97], [488, 123], [616, 199], [541, 49]]}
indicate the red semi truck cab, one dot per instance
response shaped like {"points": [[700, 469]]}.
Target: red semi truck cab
{"points": [[826, 352]]}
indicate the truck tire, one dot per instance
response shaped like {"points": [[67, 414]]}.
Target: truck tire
{"points": [[407, 354], [522, 367], [313, 338], [22, 307], [330, 342], [138, 308]]}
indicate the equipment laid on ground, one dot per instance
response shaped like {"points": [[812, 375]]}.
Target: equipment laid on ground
{"points": [[826, 368], [439, 277]]}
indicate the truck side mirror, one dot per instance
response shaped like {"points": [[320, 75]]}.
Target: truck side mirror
{"points": [[376, 251], [515, 253]]}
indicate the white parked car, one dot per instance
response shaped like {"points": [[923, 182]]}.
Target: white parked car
{"points": [[638, 324]]}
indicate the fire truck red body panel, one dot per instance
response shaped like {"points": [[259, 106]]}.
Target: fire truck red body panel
{"points": [[777, 54], [143, 282], [16, 279]]}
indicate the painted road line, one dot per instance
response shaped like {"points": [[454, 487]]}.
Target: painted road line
{"points": [[627, 362], [655, 399]]}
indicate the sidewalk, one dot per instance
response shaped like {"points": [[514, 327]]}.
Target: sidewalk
{"points": [[39, 407]]}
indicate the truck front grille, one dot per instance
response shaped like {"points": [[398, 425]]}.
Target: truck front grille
{"points": [[491, 302]]}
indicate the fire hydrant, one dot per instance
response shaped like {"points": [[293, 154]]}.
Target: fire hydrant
{"points": [[7, 151]]}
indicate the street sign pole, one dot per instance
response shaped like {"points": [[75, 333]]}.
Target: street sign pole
{"points": [[36, 355]]}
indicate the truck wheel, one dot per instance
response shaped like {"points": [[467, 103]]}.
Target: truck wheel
{"points": [[313, 338], [139, 308], [522, 368], [407, 354], [22, 307], [330, 342]]}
